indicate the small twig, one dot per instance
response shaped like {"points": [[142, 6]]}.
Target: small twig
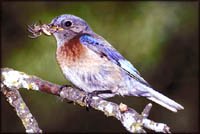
{"points": [[146, 110], [131, 120]]}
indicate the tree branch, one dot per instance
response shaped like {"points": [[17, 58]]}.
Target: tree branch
{"points": [[15, 100], [11, 80]]}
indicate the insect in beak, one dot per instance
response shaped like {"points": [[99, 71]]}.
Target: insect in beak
{"points": [[38, 29], [47, 29]]}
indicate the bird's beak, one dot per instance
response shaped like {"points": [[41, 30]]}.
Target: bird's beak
{"points": [[54, 28]]}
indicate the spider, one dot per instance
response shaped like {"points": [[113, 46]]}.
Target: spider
{"points": [[38, 29]]}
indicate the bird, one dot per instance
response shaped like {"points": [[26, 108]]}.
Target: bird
{"points": [[93, 65]]}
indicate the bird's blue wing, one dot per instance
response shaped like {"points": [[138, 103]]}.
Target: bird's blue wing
{"points": [[105, 49]]}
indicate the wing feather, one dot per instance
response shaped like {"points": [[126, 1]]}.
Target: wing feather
{"points": [[102, 47]]}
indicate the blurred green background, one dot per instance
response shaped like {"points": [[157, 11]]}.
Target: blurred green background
{"points": [[159, 38]]}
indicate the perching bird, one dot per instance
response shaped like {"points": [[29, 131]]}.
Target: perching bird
{"points": [[93, 65]]}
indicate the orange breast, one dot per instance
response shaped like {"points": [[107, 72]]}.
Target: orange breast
{"points": [[70, 52]]}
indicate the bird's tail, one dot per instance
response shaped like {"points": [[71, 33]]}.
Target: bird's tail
{"points": [[163, 100], [157, 97]]}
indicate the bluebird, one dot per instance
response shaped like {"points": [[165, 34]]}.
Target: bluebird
{"points": [[94, 65]]}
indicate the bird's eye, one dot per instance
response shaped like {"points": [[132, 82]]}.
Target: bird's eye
{"points": [[67, 23]]}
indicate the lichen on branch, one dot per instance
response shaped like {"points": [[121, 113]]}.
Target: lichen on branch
{"points": [[12, 80]]}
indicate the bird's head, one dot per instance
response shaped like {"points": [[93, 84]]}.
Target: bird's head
{"points": [[65, 27]]}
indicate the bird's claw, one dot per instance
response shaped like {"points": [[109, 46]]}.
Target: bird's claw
{"points": [[88, 98], [63, 86]]}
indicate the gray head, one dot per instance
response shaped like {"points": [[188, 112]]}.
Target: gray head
{"points": [[68, 26]]}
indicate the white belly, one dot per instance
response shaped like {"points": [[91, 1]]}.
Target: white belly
{"points": [[93, 73]]}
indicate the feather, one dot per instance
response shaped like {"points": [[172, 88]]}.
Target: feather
{"points": [[104, 48]]}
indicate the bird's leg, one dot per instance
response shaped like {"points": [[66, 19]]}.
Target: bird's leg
{"points": [[87, 99]]}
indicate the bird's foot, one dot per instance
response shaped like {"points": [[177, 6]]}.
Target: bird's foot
{"points": [[88, 98], [63, 86]]}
